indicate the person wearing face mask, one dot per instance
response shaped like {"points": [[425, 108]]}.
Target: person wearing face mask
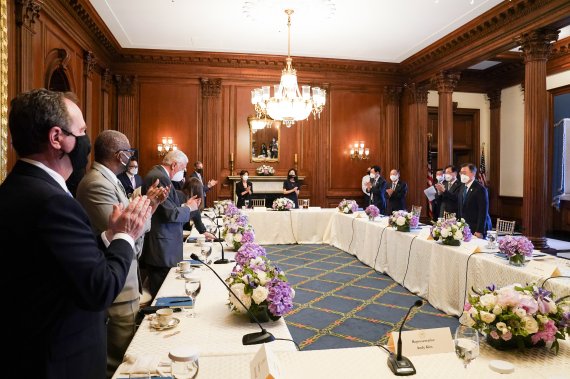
{"points": [[194, 187], [396, 192], [244, 188], [199, 173], [97, 192], [81, 157], [291, 187], [447, 191], [130, 179], [473, 202], [365, 181], [435, 204], [377, 189], [76, 275], [163, 244]]}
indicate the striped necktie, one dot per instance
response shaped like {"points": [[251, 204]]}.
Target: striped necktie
{"points": [[122, 188], [465, 194]]}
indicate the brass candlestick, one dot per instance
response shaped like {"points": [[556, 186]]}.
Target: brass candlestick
{"points": [[231, 163], [296, 166]]}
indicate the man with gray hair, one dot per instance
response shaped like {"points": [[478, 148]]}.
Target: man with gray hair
{"points": [[163, 244], [97, 192]]}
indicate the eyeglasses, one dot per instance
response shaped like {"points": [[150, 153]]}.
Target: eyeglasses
{"points": [[130, 152], [68, 133]]}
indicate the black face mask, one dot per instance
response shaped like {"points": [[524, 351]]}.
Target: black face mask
{"points": [[200, 171], [79, 156], [291, 176]]}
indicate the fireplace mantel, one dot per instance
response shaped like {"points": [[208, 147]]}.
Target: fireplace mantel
{"points": [[262, 184]]}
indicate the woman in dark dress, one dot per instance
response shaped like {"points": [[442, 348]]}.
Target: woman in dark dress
{"points": [[244, 188], [291, 187], [194, 187]]}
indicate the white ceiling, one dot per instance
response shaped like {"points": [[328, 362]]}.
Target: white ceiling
{"points": [[372, 30]]}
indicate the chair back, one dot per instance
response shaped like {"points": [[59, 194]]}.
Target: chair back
{"points": [[304, 203], [416, 210], [258, 202], [505, 227], [448, 215]]}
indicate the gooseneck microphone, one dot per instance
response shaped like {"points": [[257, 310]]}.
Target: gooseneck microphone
{"points": [[218, 239], [400, 365], [252, 338]]}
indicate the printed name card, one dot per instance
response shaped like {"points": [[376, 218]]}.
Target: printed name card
{"points": [[542, 269], [259, 209], [264, 365], [423, 342]]}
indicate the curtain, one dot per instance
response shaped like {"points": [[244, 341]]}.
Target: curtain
{"points": [[561, 162]]}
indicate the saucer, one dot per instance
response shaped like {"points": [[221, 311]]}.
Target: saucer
{"points": [[156, 326], [178, 271]]}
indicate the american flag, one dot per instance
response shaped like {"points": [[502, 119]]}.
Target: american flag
{"points": [[429, 175], [481, 175]]}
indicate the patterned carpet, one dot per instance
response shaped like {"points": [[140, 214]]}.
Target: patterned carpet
{"points": [[340, 302]]}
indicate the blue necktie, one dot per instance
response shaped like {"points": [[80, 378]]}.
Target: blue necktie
{"points": [[465, 194]]}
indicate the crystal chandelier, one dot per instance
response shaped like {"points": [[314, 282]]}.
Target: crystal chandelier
{"points": [[288, 104]]}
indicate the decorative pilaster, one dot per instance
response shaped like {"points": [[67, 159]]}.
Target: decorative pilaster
{"points": [[210, 133], [89, 66], [536, 47], [392, 96], [127, 107], [27, 11], [446, 83], [494, 151]]}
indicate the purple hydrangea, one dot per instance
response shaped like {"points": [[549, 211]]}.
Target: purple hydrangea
{"points": [[241, 219], [511, 246], [414, 222], [247, 252], [467, 233], [232, 210], [372, 211], [280, 297], [247, 236]]}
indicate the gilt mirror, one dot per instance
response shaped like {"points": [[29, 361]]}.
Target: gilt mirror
{"points": [[264, 139]]}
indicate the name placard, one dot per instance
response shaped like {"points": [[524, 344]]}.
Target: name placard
{"points": [[542, 269], [423, 341], [264, 365], [259, 209], [470, 247]]}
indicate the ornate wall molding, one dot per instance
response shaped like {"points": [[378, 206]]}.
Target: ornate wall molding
{"points": [[27, 11], [126, 84], [392, 94], [446, 81], [90, 61], [59, 59], [418, 93], [494, 97], [537, 44], [3, 90], [211, 87]]}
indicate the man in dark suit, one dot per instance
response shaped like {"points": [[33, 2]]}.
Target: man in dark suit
{"points": [[130, 179], [436, 203], [447, 192], [163, 244], [71, 276], [199, 173], [396, 192], [474, 202], [377, 189]]}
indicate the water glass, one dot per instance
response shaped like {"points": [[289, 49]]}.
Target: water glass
{"points": [[492, 238], [246, 203], [192, 288], [466, 344]]}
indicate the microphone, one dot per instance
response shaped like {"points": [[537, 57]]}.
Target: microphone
{"points": [[218, 239], [252, 338], [400, 365]]}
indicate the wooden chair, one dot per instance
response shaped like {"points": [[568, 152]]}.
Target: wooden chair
{"points": [[448, 215], [416, 210], [505, 227], [304, 203], [258, 202]]}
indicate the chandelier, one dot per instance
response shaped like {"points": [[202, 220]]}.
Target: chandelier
{"points": [[288, 104]]}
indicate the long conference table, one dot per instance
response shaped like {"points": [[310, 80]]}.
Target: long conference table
{"points": [[432, 271]]}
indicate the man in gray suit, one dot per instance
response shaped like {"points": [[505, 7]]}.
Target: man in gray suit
{"points": [[163, 244], [97, 192]]}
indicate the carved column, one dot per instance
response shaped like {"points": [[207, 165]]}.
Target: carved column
{"points": [[392, 123], [127, 107], [27, 11], [106, 86], [446, 83], [413, 143], [90, 63], [494, 151], [211, 134]]}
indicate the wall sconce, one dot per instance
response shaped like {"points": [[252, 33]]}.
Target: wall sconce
{"points": [[358, 151], [166, 146]]}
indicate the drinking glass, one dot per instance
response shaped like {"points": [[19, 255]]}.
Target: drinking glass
{"points": [[466, 344], [246, 203], [205, 252], [492, 238], [192, 288]]}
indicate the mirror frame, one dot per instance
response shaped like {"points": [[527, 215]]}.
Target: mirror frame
{"points": [[274, 124]]}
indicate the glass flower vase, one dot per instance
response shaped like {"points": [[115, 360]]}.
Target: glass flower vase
{"points": [[450, 242], [518, 260], [261, 313], [403, 228]]}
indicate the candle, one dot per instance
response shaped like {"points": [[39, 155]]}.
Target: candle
{"points": [[231, 157], [295, 158]]}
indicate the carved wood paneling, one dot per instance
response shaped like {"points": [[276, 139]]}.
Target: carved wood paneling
{"points": [[392, 95], [445, 84], [494, 150], [210, 132]]}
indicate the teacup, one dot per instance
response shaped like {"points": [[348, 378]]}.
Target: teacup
{"points": [[184, 266], [164, 316]]}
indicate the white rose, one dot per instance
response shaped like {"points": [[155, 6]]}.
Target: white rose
{"points": [[259, 294], [239, 289], [237, 237], [487, 317], [400, 221], [502, 327], [229, 239], [552, 308], [458, 235], [445, 232], [256, 261], [530, 324], [497, 310], [520, 312], [262, 276], [466, 319], [488, 301]]}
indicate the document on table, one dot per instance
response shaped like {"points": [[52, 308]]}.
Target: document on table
{"points": [[430, 193]]}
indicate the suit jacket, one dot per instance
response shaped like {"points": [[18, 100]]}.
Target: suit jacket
{"points": [[72, 280], [163, 244], [448, 200], [398, 199], [377, 194], [97, 192], [126, 182], [239, 189], [195, 216], [475, 208]]}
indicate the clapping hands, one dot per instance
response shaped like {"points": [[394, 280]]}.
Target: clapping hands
{"points": [[130, 220], [157, 195]]}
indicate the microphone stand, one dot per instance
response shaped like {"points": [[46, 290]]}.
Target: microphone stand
{"points": [[252, 338], [220, 240], [400, 365]]}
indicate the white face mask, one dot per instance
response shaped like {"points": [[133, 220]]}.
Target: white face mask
{"points": [[178, 176], [133, 171], [448, 177], [464, 179], [439, 178], [393, 177], [372, 176], [245, 177]]}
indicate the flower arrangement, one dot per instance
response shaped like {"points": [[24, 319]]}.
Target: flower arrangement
{"points": [[265, 170], [516, 249], [261, 286], [221, 206], [516, 316], [347, 206], [372, 211], [451, 231], [237, 231], [283, 204], [403, 221]]}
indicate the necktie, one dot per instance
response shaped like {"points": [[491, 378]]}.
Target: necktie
{"points": [[133, 182], [122, 188], [465, 194], [393, 186]]}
